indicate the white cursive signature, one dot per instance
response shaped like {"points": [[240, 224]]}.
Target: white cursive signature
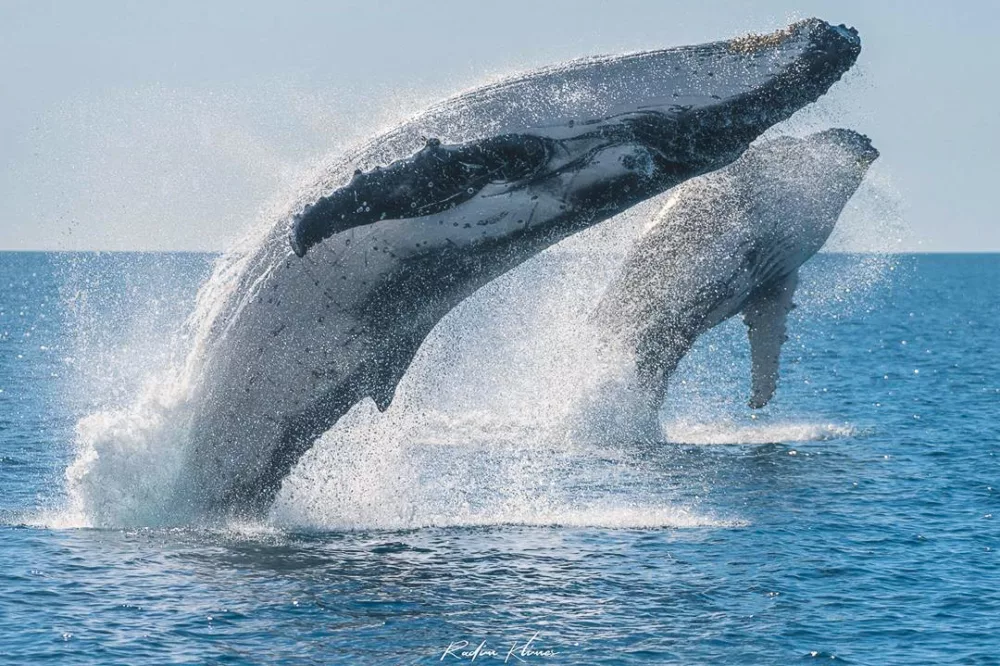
{"points": [[518, 652]]}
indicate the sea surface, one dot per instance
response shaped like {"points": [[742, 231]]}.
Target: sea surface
{"points": [[856, 520]]}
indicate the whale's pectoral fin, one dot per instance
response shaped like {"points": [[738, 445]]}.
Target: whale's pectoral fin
{"points": [[765, 315]]}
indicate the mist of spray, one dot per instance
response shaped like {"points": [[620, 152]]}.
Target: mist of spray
{"points": [[484, 429]]}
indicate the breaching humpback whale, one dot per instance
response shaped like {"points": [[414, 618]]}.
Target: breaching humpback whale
{"points": [[730, 242], [333, 304]]}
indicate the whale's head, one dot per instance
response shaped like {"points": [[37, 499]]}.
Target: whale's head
{"points": [[798, 187], [835, 162], [763, 79], [844, 150], [586, 139]]}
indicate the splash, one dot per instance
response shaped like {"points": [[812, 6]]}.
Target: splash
{"points": [[142, 329], [722, 432], [393, 471], [485, 427], [483, 430]]}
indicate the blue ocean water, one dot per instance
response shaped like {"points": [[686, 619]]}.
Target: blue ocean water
{"points": [[853, 521]]}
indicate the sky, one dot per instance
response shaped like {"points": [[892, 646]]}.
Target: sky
{"points": [[178, 125]]}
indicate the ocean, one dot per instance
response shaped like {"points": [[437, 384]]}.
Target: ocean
{"points": [[855, 520]]}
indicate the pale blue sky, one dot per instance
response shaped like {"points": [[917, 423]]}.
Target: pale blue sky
{"points": [[171, 125]]}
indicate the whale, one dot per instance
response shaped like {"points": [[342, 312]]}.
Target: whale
{"points": [[729, 243], [327, 307]]}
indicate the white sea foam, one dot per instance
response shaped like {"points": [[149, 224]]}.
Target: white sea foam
{"points": [[385, 472], [484, 429], [685, 432]]}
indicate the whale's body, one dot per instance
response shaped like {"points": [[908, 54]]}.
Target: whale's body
{"points": [[726, 243], [419, 218]]}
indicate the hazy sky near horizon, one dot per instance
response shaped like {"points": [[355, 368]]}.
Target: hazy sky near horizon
{"points": [[176, 125]]}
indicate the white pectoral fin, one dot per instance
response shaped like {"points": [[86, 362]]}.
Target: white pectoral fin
{"points": [[766, 316]]}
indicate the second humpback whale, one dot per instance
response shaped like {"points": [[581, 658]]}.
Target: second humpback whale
{"points": [[405, 228], [727, 243]]}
